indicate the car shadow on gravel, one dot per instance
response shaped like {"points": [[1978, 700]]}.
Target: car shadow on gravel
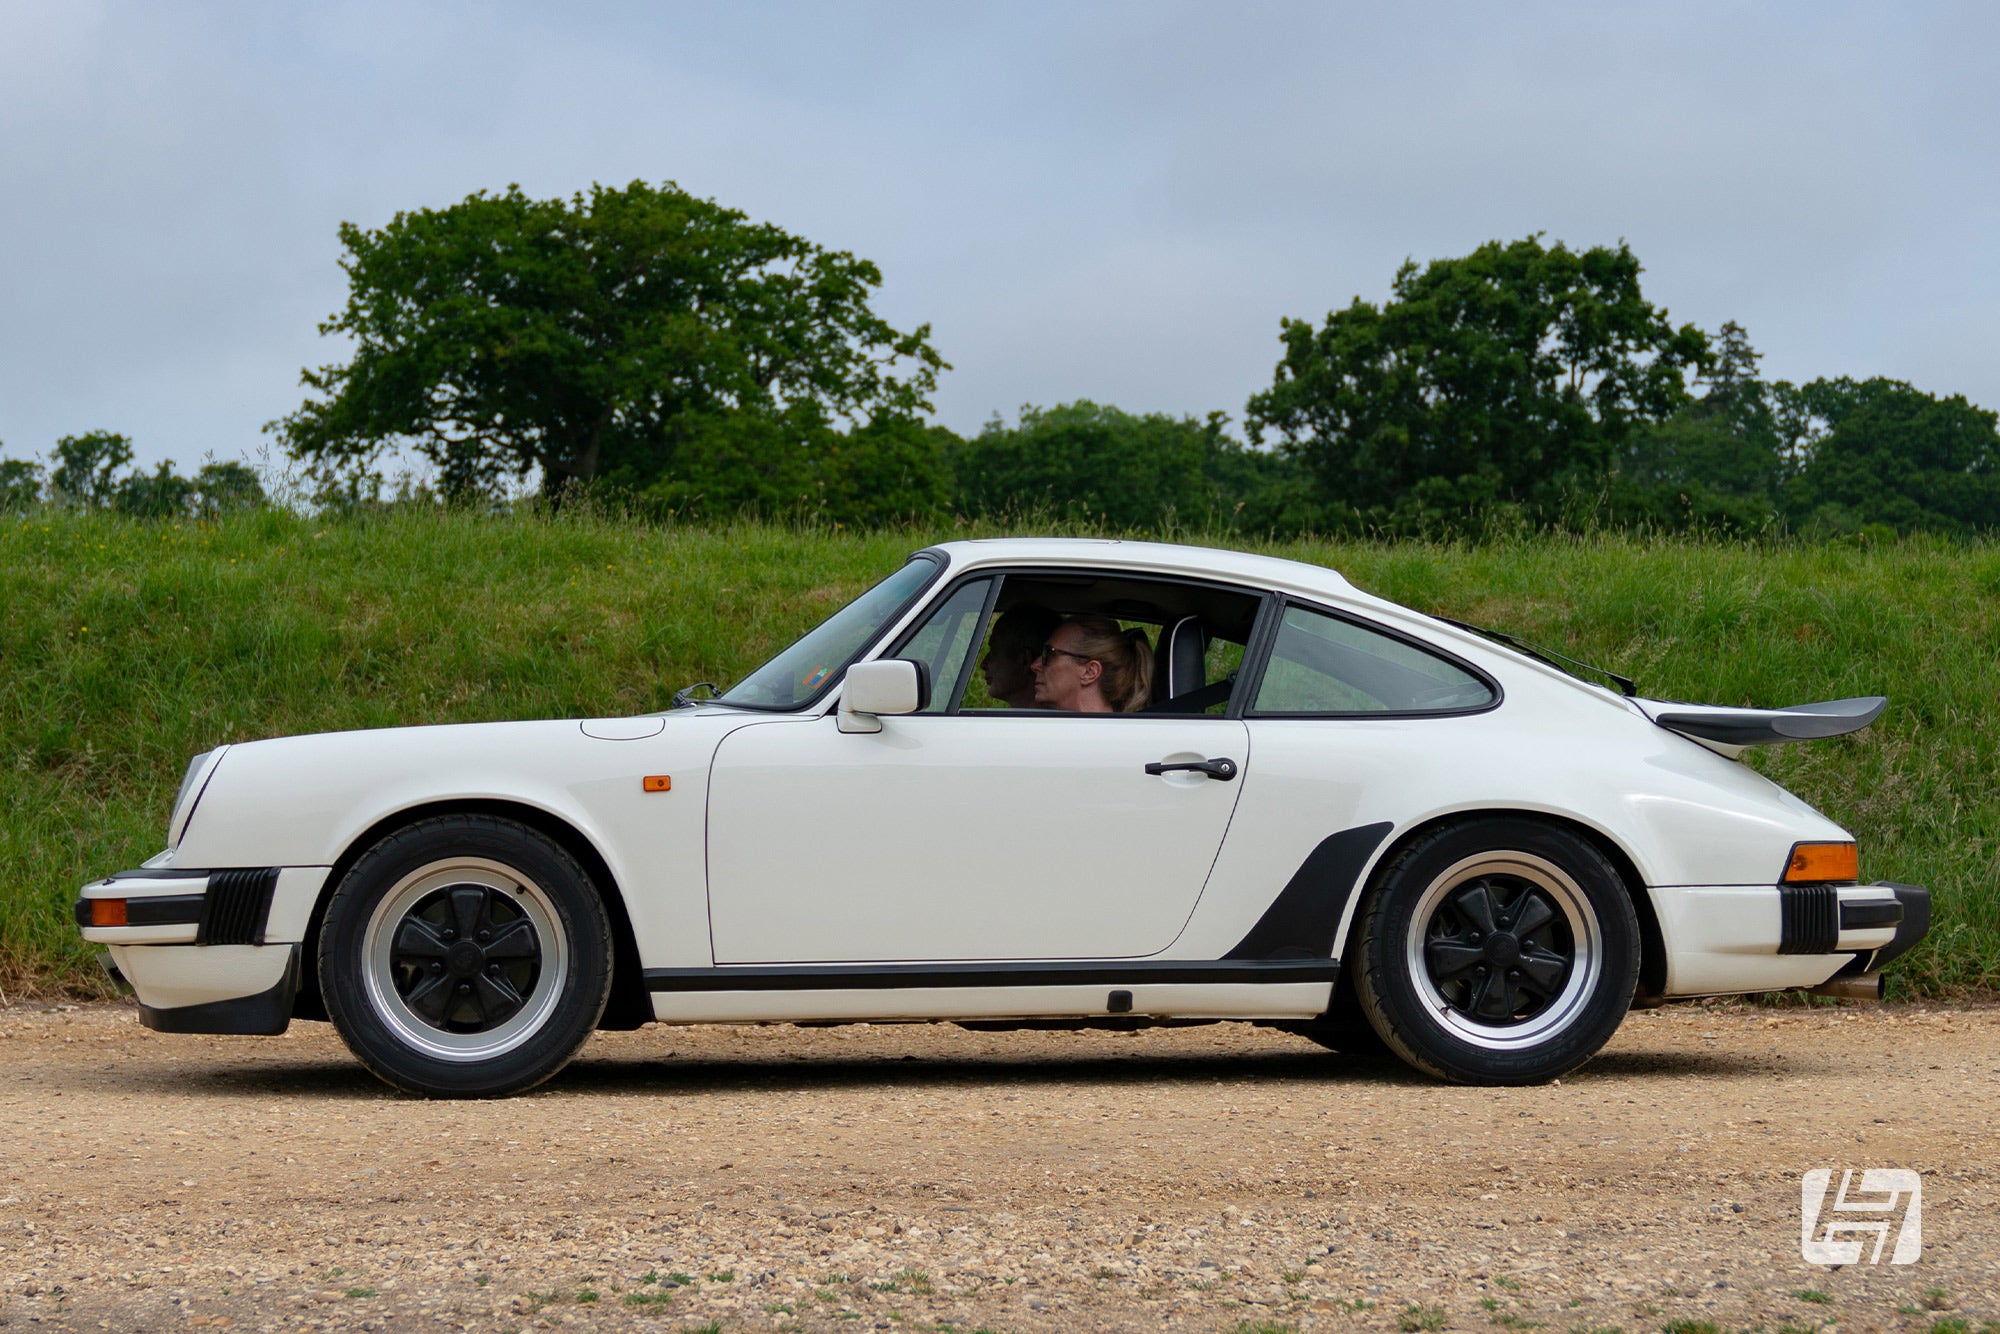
{"points": [[668, 1076]]}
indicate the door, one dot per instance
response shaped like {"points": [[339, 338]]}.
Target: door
{"points": [[947, 837]]}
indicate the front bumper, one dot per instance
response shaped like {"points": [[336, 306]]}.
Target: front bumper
{"points": [[207, 951], [1727, 939]]}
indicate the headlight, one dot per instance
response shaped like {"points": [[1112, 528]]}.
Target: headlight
{"points": [[192, 782]]}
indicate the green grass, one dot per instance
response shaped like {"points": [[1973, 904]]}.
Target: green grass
{"points": [[126, 647]]}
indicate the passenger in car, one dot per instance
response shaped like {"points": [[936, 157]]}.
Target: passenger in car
{"points": [[1089, 665], [1017, 637]]}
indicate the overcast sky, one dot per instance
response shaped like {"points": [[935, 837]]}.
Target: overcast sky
{"points": [[1114, 201]]}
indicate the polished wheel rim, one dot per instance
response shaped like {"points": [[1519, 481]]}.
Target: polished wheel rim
{"points": [[464, 960], [1505, 950]]}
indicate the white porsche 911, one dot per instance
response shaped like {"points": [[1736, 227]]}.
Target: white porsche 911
{"points": [[1305, 806]]}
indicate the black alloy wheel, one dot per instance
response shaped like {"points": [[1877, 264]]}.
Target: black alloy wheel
{"points": [[1499, 950], [465, 956]]}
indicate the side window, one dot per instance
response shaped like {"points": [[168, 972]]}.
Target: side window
{"points": [[946, 638], [1325, 665]]}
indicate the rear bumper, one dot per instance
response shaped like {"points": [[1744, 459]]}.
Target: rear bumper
{"points": [[1724, 939]]}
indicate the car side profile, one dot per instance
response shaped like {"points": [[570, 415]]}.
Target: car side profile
{"points": [[1327, 812]]}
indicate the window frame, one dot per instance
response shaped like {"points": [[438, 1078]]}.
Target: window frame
{"points": [[999, 574], [1272, 625]]}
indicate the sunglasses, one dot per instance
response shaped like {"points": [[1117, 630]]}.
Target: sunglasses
{"points": [[1048, 652]]}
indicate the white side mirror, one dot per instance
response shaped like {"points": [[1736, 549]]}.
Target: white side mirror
{"points": [[871, 689]]}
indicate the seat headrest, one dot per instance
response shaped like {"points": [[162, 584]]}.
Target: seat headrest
{"points": [[1179, 662]]}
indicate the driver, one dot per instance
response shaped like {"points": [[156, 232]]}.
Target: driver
{"points": [[1089, 665]]}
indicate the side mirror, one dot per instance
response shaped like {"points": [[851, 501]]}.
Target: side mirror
{"points": [[890, 686]]}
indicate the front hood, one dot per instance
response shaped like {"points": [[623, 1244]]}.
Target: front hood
{"points": [[301, 800]]}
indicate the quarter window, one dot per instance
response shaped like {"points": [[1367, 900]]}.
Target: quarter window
{"points": [[1323, 664]]}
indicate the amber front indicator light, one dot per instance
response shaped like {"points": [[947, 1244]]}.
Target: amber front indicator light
{"points": [[1819, 863], [107, 912]]}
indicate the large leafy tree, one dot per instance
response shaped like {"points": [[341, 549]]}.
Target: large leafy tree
{"points": [[1508, 376], [606, 334], [1880, 451]]}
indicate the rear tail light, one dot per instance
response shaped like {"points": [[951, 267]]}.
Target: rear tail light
{"points": [[1822, 863]]}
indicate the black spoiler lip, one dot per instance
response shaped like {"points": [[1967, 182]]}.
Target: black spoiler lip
{"points": [[1765, 727]]}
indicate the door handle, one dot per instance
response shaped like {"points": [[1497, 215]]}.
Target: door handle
{"points": [[1223, 769]]}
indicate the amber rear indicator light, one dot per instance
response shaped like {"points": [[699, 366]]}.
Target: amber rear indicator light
{"points": [[107, 912], [1820, 863]]}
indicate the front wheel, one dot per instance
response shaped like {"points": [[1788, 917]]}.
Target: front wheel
{"points": [[465, 956], [1498, 951]]}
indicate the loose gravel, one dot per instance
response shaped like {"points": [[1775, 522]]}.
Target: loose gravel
{"points": [[921, 1177]]}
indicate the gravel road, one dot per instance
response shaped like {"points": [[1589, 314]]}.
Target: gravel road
{"points": [[926, 1178]]}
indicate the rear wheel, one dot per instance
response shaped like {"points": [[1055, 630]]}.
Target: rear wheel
{"points": [[465, 956], [1498, 951]]}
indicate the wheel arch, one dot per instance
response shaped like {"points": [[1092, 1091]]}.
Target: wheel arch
{"points": [[630, 1004], [1652, 942]]}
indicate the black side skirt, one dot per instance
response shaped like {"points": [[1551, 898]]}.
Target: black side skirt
{"points": [[887, 976]]}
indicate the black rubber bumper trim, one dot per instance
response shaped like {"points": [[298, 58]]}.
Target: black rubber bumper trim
{"points": [[1864, 916], [1916, 904], [883, 977], [233, 908], [237, 907], [159, 910], [1808, 919], [266, 1014]]}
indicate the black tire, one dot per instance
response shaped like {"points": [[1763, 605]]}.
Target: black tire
{"points": [[465, 957], [1497, 951]]}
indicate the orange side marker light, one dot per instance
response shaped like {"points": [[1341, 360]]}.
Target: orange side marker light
{"points": [[657, 783]]}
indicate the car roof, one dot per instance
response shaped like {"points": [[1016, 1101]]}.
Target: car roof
{"points": [[1152, 557]]}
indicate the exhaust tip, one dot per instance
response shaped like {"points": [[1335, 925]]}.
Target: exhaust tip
{"points": [[1857, 986]]}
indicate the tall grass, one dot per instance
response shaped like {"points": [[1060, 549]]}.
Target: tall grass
{"points": [[126, 646]]}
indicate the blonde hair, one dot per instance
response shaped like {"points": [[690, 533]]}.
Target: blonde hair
{"points": [[1127, 659]]}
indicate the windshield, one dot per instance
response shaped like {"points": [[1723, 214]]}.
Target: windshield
{"points": [[804, 671]]}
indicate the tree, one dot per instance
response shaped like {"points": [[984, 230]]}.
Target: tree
{"points": [[1718, 463], [223, 487], [1508, 376], [607, 334], [160, 494], [1094, 461], [1880, 451], [84, 467], [20, 485]]}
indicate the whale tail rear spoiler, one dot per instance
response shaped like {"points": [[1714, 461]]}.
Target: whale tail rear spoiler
{"points": [[1719, 726]]}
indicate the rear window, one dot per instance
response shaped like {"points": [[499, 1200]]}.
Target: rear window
{"points": [[1327, 665]]}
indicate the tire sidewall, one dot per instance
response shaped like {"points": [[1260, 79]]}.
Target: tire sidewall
{"points": [[1399, 1006], [572, 904]]}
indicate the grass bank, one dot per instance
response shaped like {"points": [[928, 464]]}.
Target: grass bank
{"points": [[126, 646]]}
